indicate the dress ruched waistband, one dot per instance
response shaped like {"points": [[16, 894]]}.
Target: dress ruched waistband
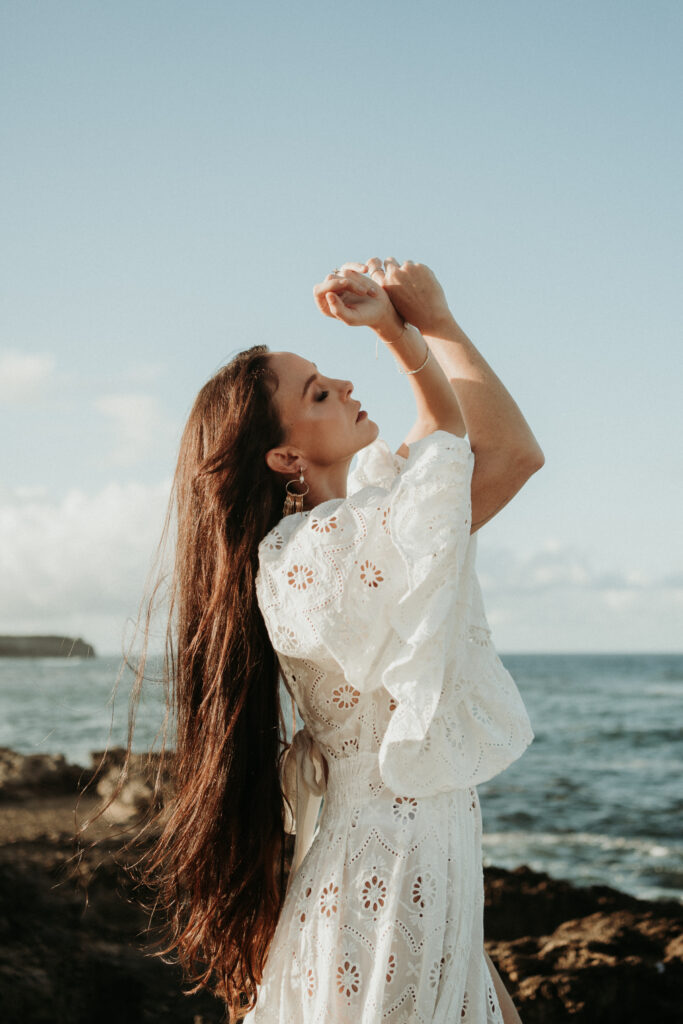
{"points": [[353, 780]]}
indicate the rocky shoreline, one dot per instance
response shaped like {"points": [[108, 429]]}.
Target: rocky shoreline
{"points": [[73, 942]]}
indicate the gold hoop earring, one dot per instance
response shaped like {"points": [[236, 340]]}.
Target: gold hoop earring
{"points": [[294, 502]]}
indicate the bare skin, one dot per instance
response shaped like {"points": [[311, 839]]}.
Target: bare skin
{"points": [[323, 433], [454, 391]]}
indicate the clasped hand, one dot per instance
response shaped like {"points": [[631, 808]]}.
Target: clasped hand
{"points": [[384, 297]]}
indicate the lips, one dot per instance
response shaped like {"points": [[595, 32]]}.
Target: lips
{"points": [[361, 415]]}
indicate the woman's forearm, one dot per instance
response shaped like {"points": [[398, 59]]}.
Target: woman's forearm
{"points": [[458, 391], [435, 400], [493, 419]]}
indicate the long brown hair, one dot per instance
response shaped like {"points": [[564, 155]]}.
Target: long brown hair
{"points": [[217, 868]]}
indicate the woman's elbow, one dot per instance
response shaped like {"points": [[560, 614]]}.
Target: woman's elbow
{"points": [[533, 460], [524, 463]]}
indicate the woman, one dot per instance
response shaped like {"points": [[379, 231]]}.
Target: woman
{"points": [[361, 592]]}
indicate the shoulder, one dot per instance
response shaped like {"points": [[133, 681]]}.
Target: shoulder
{"points": [[431, 476], [332, 524], [376, 465]]}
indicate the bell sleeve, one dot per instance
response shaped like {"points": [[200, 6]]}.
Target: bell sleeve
{"points": [[380, 586]]}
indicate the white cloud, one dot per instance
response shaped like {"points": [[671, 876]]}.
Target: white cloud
{"points": [[78, 565], [24, 378], [554, 599], [554, 566], [140, 427]]}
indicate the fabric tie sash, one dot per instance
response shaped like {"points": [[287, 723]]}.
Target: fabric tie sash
{"points": [[303, 784]]}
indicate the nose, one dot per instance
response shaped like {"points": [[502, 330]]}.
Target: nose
{"points": [[347, 388]]}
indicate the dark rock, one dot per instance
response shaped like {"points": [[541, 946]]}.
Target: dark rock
{"points": [[26, 775], [585, 955], [140, 792], [65, 961], [75, 945]]}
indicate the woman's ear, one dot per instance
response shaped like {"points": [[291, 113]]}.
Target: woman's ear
{"points": [[284, 460]]}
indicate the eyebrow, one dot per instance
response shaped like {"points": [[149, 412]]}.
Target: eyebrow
{"points": [[309, 381]]}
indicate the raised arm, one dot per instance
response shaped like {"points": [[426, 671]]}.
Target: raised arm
{"points": [[506, 451], [455, 390]]}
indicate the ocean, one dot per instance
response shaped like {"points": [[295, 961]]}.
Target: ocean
{"points": [[597, 798]]}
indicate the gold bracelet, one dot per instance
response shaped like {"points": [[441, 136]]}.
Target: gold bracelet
{"points": [[429, 352], [396, 340], [390, 342]]}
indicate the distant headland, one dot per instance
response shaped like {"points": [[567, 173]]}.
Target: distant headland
{"points": [[45, 647]]}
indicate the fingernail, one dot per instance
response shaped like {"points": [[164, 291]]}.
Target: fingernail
{"points": [[372, 291]]}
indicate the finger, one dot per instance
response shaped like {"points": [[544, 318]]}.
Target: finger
{"points": [[333, 302], [340, 310], [351, 281], [351, 265], [319, 292], [322, 304], [341, 286], [391, 265], [375, 267], [340, 281]]}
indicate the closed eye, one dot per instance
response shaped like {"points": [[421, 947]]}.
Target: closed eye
{"points": [[322, 396]]}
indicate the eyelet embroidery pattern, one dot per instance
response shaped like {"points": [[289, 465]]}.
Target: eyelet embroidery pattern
{"points": [[404, 809], [285, 638], [436, 970], [481, 715], [302, 905], [328, 900], [345, 697], [348, 979], [273, 541], [374, 916], [479, 635], [300, 576], [323, 525], [370, 574], [423, 892], [373, 893], [491, 1000]]}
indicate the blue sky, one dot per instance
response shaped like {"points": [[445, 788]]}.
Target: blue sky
{"points": [[174, 179]]}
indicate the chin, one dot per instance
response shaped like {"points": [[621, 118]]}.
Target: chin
{"points": [[372, 429]]}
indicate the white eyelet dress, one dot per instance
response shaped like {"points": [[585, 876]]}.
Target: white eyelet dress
{"points": [[374, 609]]}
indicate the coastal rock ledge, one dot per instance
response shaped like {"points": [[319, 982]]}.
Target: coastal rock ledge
{"points": [[590, 955], [45, 647]]}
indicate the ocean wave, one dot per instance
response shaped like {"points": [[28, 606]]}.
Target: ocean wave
{"points": [[646, 867], [644, 846]]}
